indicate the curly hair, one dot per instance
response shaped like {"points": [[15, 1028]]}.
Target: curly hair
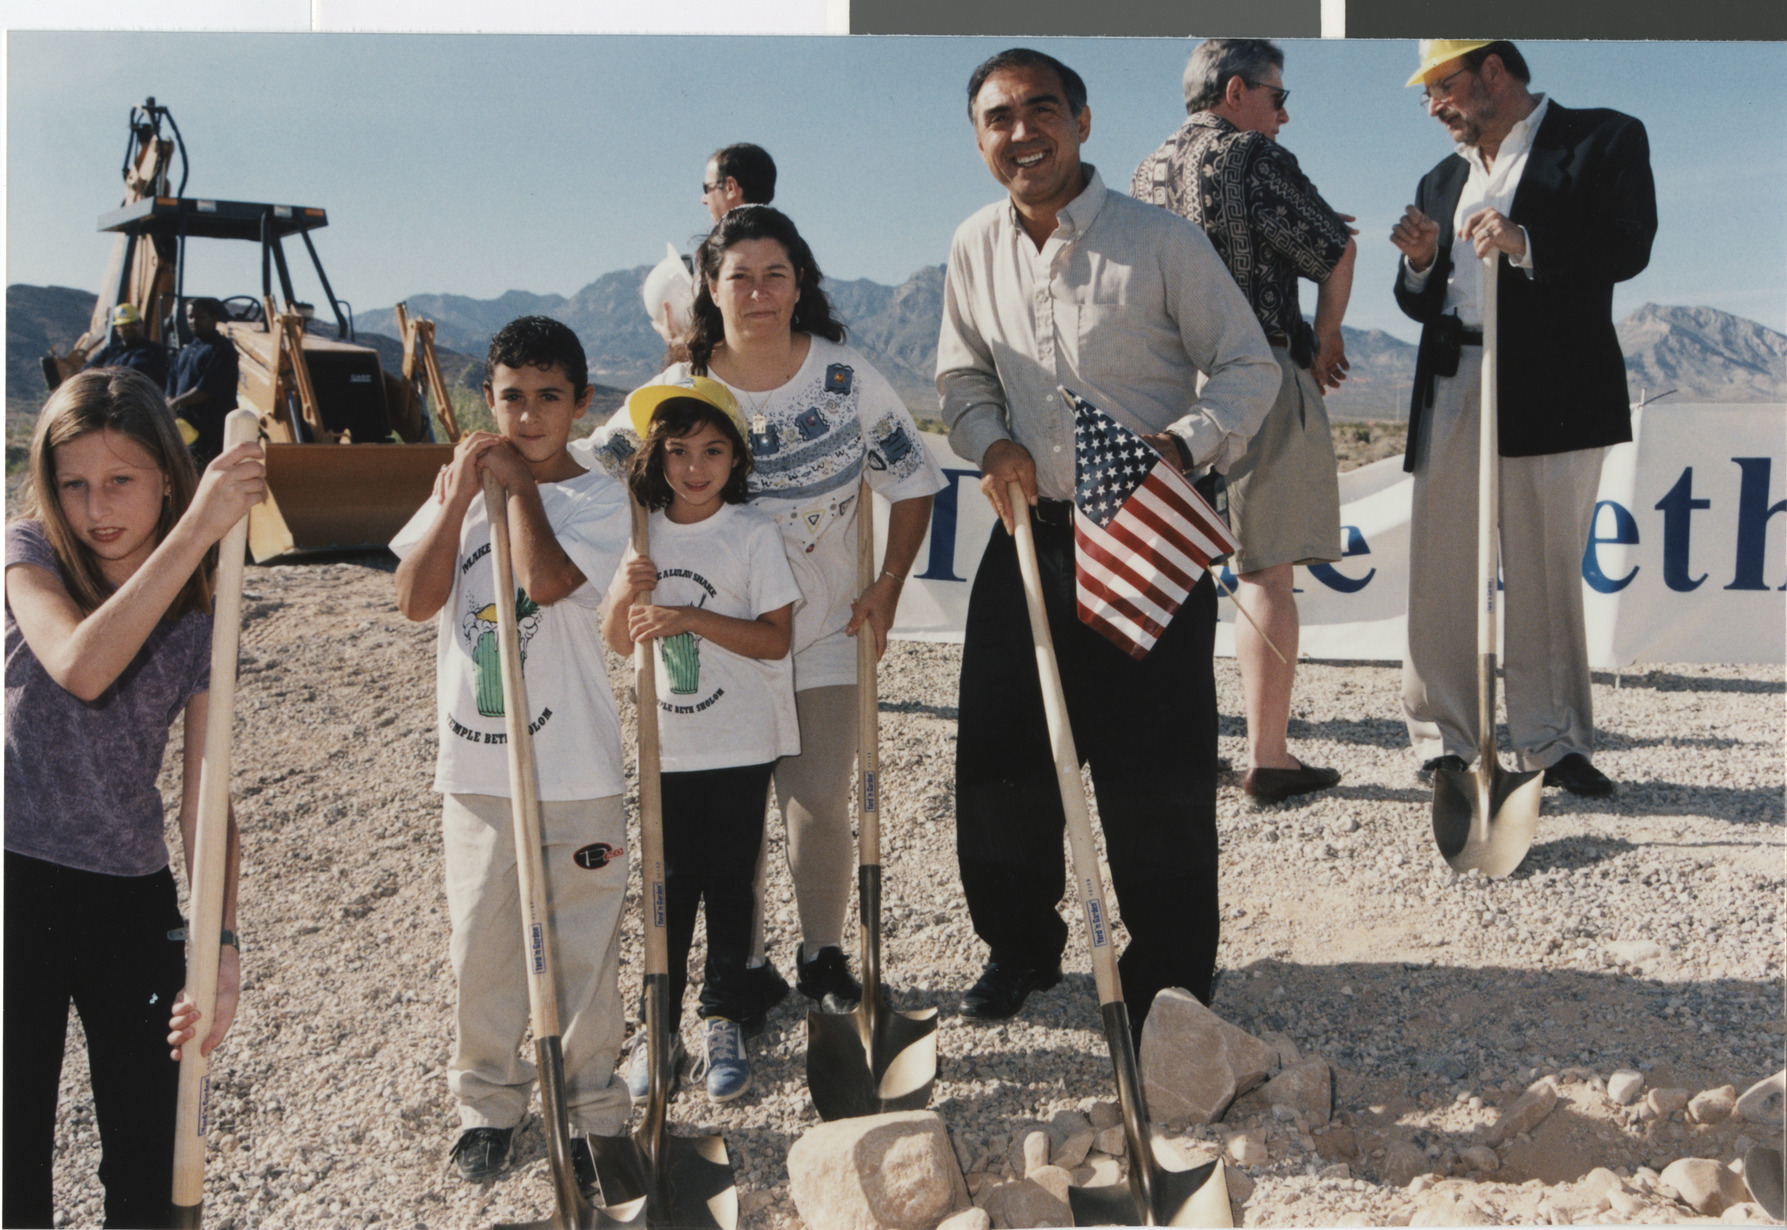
{"points": [[542, 342], [675, 418], [812, 310], [127, 403]]}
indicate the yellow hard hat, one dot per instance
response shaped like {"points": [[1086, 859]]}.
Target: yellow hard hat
{"points": [[1436, 51], [126, 314], [642, 403]]}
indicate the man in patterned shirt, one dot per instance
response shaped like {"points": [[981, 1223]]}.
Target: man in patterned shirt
{"points": [[1225, 171]]}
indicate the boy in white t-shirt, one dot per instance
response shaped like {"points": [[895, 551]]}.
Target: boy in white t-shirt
{"points": [[568, 528]]}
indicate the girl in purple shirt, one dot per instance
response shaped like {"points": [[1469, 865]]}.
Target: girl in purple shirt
{"points": [[108, 641]]}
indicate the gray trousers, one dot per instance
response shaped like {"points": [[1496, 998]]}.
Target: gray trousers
{"points": [[1547, 507]]}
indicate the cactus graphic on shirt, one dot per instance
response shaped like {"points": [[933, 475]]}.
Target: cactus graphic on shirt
{"points": [[479, 627], [682, 659]]}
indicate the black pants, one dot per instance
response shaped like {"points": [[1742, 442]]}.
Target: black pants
{"points": [[713, 824], [100, 942], [1148, 730]]}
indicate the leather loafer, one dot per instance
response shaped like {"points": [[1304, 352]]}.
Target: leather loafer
{"points": [[1277, 785], [1575, 774], [1430, 767], [1003, 988]]}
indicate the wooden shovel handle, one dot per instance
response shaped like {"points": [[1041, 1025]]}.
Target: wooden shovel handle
{"points": [[524, 784], [651, 789], [868, 693], [210, 853], [1090, 883]]}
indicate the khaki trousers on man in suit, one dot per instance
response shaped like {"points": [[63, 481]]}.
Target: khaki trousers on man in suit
{"points": [[1547, 509]]}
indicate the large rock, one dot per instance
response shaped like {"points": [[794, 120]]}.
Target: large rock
{"points": [[1705, 1186], [1306, 1087], [1194, 1063], [1528, 1112], [1762, 1102], [1624, 1086], [879, 1172], [967, 1219], [1023, 1203], [1713, 1105], [1070, 1138], [1449, 1206], [1402, 1163]]}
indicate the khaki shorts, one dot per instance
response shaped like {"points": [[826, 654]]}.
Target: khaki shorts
{"points": [[1284, 494]]}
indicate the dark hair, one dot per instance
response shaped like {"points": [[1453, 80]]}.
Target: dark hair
{"points": [[675, 418], [120, 400], [812, 310], [542, 342], [1023, 57], [752, 167], [1509, 55], [209, 305], [1215, 61]]}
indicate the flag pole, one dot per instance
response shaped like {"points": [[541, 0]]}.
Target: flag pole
{"points": [[1216, 572]]}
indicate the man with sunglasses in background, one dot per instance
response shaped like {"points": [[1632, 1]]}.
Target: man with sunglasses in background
{"points": [[1225, 171], [1566, 197]]}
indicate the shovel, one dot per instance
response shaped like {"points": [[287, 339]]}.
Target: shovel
{"points": [[209, 855], [874, 1059], [680, 1181], [1154, 1196], [572, 1211], [1484, 818]]}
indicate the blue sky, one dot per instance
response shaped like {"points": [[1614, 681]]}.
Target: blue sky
{"points": [[476, 164]]}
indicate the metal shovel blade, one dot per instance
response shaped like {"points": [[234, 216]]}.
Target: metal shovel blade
{"points": [[571, 1211], [693, 1187], [1195, 1197], [1484, 818], [1152, 1195], [874, 1059], [1764, 1171]]}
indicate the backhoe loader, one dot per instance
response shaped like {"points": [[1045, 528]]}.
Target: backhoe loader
{"points": [[351, 451]]}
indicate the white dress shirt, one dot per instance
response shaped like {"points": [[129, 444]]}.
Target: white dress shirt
{"points": [[1487, 187]]}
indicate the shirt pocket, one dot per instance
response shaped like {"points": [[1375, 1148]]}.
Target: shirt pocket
{"points": [[1111, 338]]}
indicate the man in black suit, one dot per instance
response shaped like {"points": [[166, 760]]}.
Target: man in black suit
{"points": [[1566, 198]]}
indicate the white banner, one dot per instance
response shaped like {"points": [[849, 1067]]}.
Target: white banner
{"points": [[1687, 561]]}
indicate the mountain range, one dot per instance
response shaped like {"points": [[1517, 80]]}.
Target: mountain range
{"points": [[1704, 355]]}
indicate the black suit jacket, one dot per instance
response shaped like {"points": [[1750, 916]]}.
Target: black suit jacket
{"points": [[1589, 208]]}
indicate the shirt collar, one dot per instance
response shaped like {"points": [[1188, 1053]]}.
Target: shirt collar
{"points": [[1078, 213], [1520, 137], [1209, 119]]}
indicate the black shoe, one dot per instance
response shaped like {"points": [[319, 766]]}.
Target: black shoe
{"points": [[1575, 774], [1276, 785], [1448, 761], [482, 1153], [1003, 988], [583, 1165], [766, 989], [826, 980]]}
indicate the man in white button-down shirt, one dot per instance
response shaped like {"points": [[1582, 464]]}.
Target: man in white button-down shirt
{"points": [[1566, 197], [1064, 283]]}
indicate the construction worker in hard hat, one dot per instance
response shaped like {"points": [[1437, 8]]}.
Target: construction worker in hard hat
{"points": [[129, 348], [1564, 200]]}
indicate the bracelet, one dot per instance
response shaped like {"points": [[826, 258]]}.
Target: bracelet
{"points": [[888, 572]]}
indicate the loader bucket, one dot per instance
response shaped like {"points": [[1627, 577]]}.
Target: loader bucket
{"points": [[340, 497]]}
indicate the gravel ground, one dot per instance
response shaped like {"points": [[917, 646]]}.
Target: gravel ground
{"points": [[1435, 998]]}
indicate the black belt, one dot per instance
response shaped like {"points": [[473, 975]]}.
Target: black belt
{"points": [[1470, 337], [1054, 512]]}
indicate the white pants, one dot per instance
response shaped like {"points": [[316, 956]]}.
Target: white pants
{"points": [[1547, 507], [585, 857]]}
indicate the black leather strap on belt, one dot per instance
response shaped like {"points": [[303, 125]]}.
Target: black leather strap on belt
{"points": [[1054, 512]]}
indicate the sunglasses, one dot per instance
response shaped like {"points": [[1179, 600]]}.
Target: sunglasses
{"points": [[1279, 95]]}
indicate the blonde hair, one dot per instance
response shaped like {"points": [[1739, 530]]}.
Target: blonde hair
{"points": [[126, 402]]}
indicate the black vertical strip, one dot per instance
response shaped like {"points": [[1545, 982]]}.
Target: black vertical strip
{"points": [[1563, 19], [1078, 18]]}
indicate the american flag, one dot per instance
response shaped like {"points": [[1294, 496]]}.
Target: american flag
{"points": [[1143, 536]]}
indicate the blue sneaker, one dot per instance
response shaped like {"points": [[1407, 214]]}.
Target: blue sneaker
{"points": [[639, 1074], [724, 1060]]}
